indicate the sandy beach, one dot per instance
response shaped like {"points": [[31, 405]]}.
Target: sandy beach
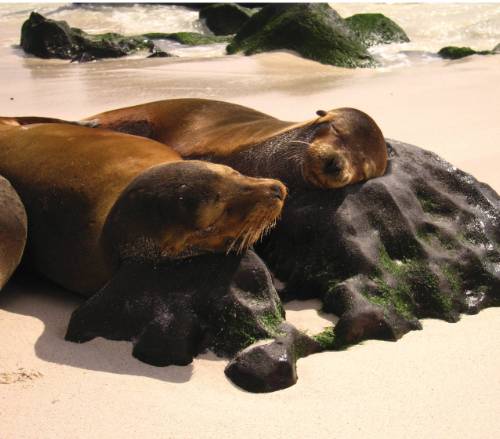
{"points": [[441, 382]]}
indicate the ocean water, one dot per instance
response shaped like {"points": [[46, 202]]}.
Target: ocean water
{"points": [[429, 26], [60, 88]]}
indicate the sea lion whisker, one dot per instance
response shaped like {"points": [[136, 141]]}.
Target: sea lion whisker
{"points": [[248, 231], [238, 236]]}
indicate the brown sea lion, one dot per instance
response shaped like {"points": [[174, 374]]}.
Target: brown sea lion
{"points": [[339, 147], [13, 227], [96, 198]]}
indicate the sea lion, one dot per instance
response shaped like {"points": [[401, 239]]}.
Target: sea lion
{"points": [[13, 228], [338, 148], [96, 198]]}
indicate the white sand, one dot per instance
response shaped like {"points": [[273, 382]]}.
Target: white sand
{"points": [[442, 382]]}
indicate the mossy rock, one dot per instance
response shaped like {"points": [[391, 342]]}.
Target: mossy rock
{"points": [[47, 38], [187, 38], [178, 308], [225, 18], [421, 241], [453, 52], [315, 31], [496, 49], [190, 38], [373, 29]]}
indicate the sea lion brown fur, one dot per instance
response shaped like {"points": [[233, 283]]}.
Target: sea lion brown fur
{"points": [[13, 228], [338, 148], [96, 198]]}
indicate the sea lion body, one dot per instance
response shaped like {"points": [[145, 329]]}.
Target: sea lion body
{"points": [[95, 197], [13, 230], [340, 147]]}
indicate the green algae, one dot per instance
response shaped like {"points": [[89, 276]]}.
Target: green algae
{"points": [[454, 52], [187, 38], [326, 339], [406, 283], [374, 29], [315, 31]]}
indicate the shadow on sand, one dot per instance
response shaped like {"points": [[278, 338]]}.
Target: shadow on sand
{"points": [[53, 306]]}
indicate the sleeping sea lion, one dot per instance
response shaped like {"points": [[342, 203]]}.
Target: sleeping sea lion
{"points": [[96, 198], [338, 148], [13, 228]]}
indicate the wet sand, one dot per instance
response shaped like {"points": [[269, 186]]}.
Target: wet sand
{"points": [[440, 382]]}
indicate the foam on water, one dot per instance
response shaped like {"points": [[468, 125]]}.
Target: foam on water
{"points": [[178, 49], [429, 26]]}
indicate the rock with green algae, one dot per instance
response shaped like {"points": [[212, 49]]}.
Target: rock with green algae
{"points": [[270, 365], [315, 31], [421, 241], [454, 52], [373, 29], [225, 18], [46, 38], [496, 49], [187, 38], [174, 309]]}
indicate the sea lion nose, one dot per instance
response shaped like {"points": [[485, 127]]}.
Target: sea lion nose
{"points": [[278, 191], [332, 166]]}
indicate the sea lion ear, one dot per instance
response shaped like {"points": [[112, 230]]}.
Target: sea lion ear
{"points": [[321, 113]]}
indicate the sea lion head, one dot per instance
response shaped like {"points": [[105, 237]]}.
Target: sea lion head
{"points": [[347, 146], [185, 208]]}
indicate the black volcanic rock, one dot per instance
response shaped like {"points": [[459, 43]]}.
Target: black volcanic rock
{"points": [[174, 310], [270, 365], [454, 52], [225, 18], [421, 241], [47, 38], [374, 29], [313, 30]]}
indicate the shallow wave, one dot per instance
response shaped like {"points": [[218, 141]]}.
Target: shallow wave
{"points": [[429, 26]]}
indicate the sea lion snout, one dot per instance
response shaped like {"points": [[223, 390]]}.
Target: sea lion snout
{"points": [[278, 191], [263, 188], [333, 165], [274, 189], [326, 166]]}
